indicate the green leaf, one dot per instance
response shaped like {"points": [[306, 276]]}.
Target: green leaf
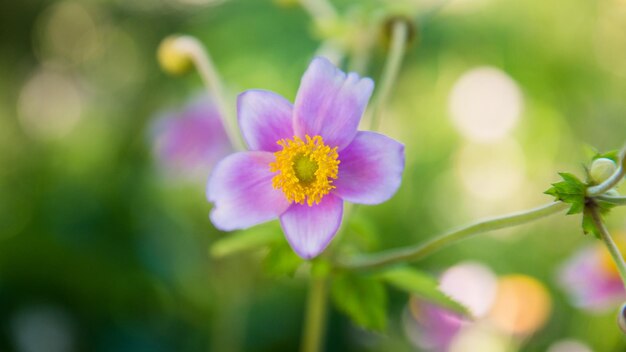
{"points": [[363, 299], [250, 239], [421, 285], [588, 224], [281, 260], [571, 190]]}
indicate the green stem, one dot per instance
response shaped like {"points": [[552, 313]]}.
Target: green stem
{"points": [[413, 253], [610, 244], [399, 35], [315, 323], [617, 200], [211, 79]]}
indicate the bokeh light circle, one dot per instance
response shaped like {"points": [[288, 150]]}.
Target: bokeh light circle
{"points": [[49, 105], [472, 284], [485, 104]]}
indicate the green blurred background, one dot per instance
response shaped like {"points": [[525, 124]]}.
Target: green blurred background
{"points": [[100, 251]]}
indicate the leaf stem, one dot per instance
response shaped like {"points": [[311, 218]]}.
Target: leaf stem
{"points": [[413, 253], [617, 200], [612, 181], [610, 244], [315, 323], [399, 35], [211, 79]]}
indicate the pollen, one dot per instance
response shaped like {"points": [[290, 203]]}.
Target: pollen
{"points": [[305, 169]]}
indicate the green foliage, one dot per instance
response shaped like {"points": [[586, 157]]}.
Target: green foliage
{"points": [[281, 260], [246, 240], [421, 285], [362, 298], [588, 223], [571, 190]]}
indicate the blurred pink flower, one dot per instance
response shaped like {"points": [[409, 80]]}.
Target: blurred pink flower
{"points": [[591, 279], [189, 142], [432, 327]]}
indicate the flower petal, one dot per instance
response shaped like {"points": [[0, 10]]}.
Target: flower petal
{"points": [[309, 229], [264, 118], [189, 142], [371, 168], [330, 103], [241, 187]]}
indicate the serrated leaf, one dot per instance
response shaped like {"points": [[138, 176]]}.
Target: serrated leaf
{"points": [[421, 285], [571, 190], [245, 240], [589, 225], [363, 299]]}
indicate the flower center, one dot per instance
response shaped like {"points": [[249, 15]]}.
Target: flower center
{"points": [[305, 169]]}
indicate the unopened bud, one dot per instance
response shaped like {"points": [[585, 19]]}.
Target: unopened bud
{"points": [[621, 318], [388, 27], [173, 60], [602, 169]]}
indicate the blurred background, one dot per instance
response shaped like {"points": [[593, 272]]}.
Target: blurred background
{"points": [[103, 247]]}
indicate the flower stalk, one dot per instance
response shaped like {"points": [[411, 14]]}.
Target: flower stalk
{"points": [[617, 200], [608, 241], [315, 321], [211, 79], [408, 254], [399, 36]]}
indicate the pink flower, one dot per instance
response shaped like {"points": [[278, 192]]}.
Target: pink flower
{"points": [[431, 327], [591, 279], [305, 160], [188, 143]]}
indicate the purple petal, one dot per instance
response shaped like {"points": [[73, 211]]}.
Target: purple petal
{"points": [[241, 187], [371, 168], [264, 119], [309, 229], [588, 283], [438, 326], [330, 103], [188, 143]]}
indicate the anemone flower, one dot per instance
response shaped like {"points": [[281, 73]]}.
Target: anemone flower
{"points": [[187, 143], [591, 279], [305, 159]]}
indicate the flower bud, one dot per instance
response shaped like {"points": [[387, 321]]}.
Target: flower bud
{"points": [[387, 30], [621, 318], [173, 60], [602, 169]]}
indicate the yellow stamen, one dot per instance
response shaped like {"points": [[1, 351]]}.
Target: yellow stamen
{"points": [[306, 169]]}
